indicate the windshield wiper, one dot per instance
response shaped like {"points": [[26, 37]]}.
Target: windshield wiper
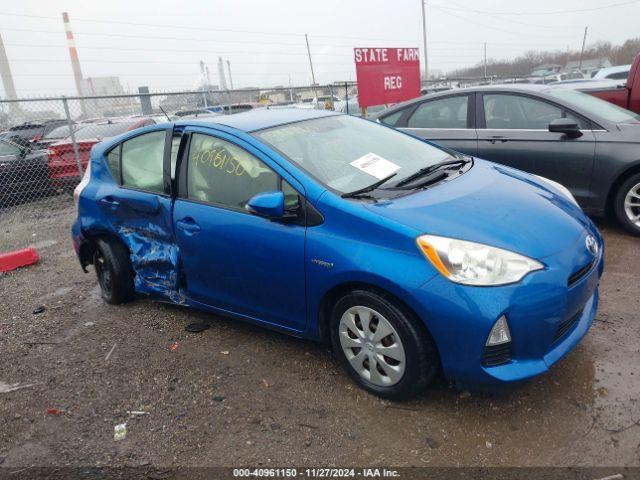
{"points": [[369, 188], [431, 168]]}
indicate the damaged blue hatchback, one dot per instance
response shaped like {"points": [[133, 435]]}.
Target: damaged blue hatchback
{"points": [[406, 257]]}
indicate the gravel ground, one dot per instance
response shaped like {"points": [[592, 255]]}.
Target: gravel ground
{"points": [[237, 394]]}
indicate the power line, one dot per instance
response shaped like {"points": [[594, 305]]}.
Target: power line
{"points": [[556, 12], [464, 9], [181, 50], [445, 11], [192, 39], [473, 21], [192, 28]]}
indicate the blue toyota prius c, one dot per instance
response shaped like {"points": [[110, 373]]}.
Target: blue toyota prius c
{"points": [[408, 259]]}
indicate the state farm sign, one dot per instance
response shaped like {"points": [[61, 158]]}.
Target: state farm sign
{"points": [[387, 75]]}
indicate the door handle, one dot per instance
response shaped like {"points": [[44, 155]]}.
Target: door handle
{"points": [[189, 225], [110, 202], [496, 138]]}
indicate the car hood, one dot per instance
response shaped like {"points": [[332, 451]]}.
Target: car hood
{"points": [[493, 205]]}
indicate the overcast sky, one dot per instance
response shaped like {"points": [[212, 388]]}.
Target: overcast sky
{"points": [[264, 40]]}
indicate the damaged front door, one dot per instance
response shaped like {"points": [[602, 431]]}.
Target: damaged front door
{"points": [[234, 260], [139, 207]]}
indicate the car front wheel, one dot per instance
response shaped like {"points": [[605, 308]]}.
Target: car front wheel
{"points": [[627, 204], [382, 346]]}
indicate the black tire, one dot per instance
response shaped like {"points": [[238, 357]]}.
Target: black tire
{"points": [[114, 271], [619, 208], [421, 356]]}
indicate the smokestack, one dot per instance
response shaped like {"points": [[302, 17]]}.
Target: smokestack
{"points": [[5, 73], [223, 79], [230, 79], [73, 53]]}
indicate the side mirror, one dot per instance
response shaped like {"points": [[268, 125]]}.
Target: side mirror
{"points": [[567, 126], [267, 204]]}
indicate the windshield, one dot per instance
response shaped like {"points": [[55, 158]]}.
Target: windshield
{"points": [[595, 106], [347, 153], [59, 132]]}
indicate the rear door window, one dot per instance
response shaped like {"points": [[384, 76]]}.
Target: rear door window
{"points": [[450, 112], [142, 162], [392, 119]]}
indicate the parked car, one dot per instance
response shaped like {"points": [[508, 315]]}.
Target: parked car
{"points": [[406, 257], [23, 173], [234, 108], [353, 107], [31, 131], [185, 113], [620, 72], [56, 135], [590, 146], [626, 95], [63, 166]]}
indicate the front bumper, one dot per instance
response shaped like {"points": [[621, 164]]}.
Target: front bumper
{"points": [[460, 318]]}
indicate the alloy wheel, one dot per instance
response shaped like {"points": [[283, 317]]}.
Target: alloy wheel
{"points": [[632, 205], [372, 346]]}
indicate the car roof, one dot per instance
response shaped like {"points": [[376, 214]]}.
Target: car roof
{"points": [[262, 118], [504, 87]]}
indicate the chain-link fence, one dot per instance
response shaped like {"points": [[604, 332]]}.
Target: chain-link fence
{"points": [[45, 143]]}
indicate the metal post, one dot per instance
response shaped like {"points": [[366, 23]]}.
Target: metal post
{"points": [[333, 107], [229, 69], [346, 95], [424, 40], [65, 103], [485, 60], [584, 41], [313, 77]]}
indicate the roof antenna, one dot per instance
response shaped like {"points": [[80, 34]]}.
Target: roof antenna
{"points": [[165, 113]]}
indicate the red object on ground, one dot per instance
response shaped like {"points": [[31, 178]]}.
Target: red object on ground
{"points": [[53, 411], [387, 75], [19, 258]]}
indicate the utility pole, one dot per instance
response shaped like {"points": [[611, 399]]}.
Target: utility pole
{"points": [[222, 78], [313, 77], [5, 73], [204, 84], [485, 60], [230, 79], [290, 90], [584, 41], [424, 40]]}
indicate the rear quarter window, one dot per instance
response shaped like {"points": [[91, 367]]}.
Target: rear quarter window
{"points": [[142, 162], [392, 119]]}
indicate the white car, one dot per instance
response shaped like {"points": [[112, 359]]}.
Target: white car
{"points": [[620, 72]]}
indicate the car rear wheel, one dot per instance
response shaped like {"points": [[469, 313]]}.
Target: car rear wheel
{"points": [[114, 271], [381, 346], [627, 204]]}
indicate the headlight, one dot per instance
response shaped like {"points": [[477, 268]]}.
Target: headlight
{"points": [[472, 263], [564, 190]]}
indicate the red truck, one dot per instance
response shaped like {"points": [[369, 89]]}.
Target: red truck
{"points": [[624, 95]]}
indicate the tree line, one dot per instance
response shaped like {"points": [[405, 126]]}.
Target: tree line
{"points": [[523, 65]]}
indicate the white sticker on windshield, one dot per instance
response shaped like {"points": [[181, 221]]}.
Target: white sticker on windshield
{"points": [[375, 165]]}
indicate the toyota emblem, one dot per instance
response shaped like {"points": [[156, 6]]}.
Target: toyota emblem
{"points": [[592, 245]]}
